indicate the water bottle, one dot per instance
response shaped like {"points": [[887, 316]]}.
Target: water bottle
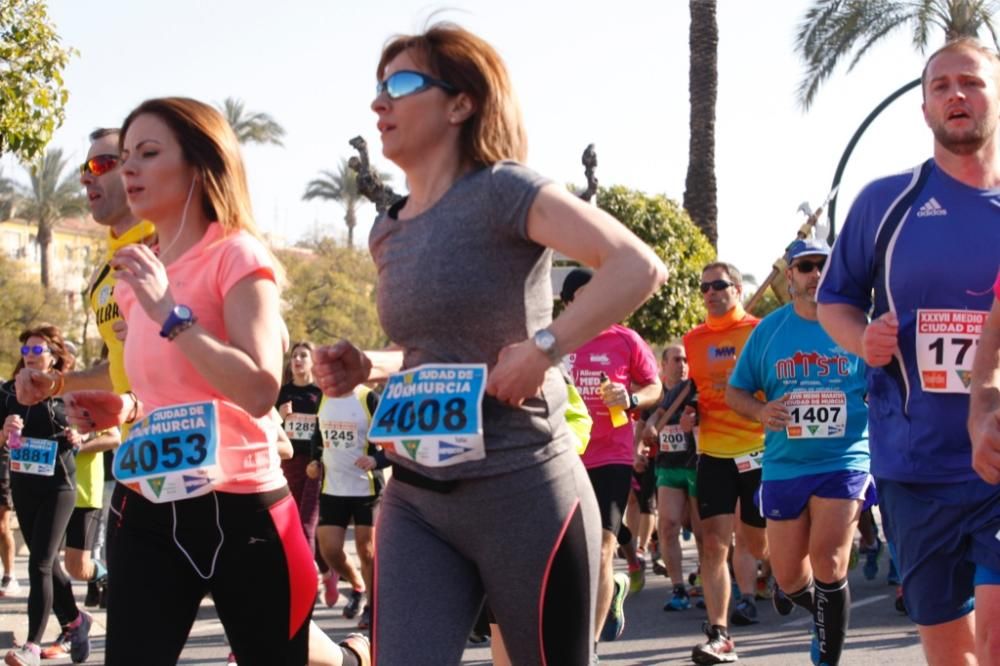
{"points": [[14, 439], [617, 414]]}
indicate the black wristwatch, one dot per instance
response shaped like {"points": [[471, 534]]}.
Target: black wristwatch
{"points": [[633, 402]]}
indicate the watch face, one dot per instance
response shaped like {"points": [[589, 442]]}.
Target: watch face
{"points": [[545, 340], [182, 312]]}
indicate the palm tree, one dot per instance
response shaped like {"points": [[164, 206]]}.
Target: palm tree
{"points": [[251, 127], [703, 86], [340, 186], [50, 197], [833, 29]]}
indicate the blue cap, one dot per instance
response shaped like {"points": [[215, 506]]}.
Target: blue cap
{"points": [[808, 246]]}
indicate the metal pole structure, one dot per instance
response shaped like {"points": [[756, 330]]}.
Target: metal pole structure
{"points": [[850, 149]]}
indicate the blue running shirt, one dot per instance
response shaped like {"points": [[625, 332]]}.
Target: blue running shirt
{"points": [[936, 275], [787, 354]]}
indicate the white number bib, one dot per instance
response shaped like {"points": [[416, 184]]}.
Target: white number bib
{"points": [[34, 456], [300, 426], [433, 414], [946, 346], [816, 414], [172, 454], [673, 439], [749, 462]]}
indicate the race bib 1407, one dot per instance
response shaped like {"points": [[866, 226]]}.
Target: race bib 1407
{"points": [[433, 414], [816, 414]]}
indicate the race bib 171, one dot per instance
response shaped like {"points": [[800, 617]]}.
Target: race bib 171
{"points": [[433, 414], [172, 454], [946, 346]]}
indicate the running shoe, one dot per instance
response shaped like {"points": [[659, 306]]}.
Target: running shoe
{"points": [[93, 595], [330, 591], [871, 553], [231, 660], [900, 601], [694, 578], [59, 648], [26, 655], [783, 605], [360, 646], [637, 577], [745, 612], [354, 604], [79, 639], [679, 601], [765, 588], [814, 648], [366, 618], [719, 649], [686, 534], [614, 624], [475, 637], [9, 587], [658, 567]]}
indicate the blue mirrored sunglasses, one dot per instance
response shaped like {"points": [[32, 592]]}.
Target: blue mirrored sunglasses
{"points": [[406, 82], [37, 350]]}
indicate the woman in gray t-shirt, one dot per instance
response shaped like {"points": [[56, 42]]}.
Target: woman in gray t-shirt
{"points": [[489, 496]]}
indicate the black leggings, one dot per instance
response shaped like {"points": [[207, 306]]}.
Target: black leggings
{"points": [[43, 513], [167, 557]]}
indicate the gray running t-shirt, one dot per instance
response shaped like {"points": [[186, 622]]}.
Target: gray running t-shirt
{"points": [[459, 282]]}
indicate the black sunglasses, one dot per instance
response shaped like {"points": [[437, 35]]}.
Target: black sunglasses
{"points": [[809, 265], [717, 285], [406, 82], [37, 350]]}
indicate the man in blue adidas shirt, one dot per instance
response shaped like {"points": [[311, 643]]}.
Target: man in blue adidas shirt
{"points": [[919, 251], [815, 474]]}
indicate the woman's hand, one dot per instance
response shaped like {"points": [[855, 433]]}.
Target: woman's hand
{"points": [[285, 409], [11, 424], [90, 411], [34, 386], [313, 469], [138, 267], [518, 373], [74, 438], [366, 463], [338, 368]]}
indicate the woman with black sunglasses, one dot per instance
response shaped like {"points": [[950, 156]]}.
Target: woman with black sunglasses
{"points": [[43, 482], [489, 495]]}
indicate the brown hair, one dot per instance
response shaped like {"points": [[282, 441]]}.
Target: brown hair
{"points": [[495, 130], [734, 273], [54, 339], [286, 375], [961, 44]]}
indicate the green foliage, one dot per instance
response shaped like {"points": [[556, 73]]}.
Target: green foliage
{"points": [[251, 126], [32, 95], [331, 295], [24, 304], [666, 228]]}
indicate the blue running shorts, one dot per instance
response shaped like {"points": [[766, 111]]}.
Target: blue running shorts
{"points": [[986, 576], [944, 533], [787, 499]]}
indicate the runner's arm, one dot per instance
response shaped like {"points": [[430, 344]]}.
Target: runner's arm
{"points": [[103, 441], [648, 394], [984, 400], [845, 324], [744, 403]]}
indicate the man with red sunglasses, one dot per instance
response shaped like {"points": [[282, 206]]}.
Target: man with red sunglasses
{"points": [[106, 195]]}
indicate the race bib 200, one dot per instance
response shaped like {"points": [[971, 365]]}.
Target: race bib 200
{"points": [[433, 414], [673, 439], [172, 454]]}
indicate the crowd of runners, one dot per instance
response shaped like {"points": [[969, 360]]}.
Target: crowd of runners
{"points": [[526, 452]]}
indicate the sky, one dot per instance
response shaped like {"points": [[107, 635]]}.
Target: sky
{"points": [[610, 73]]}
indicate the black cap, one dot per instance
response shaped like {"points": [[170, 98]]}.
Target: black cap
{"points": [[576, 279]]}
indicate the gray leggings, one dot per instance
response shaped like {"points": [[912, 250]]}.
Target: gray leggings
{"points": [[529, 540]]}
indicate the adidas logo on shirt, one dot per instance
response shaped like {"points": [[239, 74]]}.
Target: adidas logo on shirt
{"points": [[931, 208]]}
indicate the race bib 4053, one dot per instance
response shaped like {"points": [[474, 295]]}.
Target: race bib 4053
{"points": [[172, 454], [433, 414]]}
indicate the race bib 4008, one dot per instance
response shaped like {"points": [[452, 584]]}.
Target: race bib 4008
{"points": [[433, 414], [172, 454]]}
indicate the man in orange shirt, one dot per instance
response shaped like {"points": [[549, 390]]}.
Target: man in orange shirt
{"points": [[728, 463]]}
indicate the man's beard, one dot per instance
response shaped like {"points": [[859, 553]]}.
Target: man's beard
{"points": [[967, 141]]}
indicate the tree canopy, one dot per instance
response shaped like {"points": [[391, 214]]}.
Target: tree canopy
{"points": [[32, 94]]}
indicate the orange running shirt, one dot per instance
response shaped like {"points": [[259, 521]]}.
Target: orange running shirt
{"points": [[712, 349]]}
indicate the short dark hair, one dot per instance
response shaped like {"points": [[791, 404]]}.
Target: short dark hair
{"points": [[959, 44], [574, 280], [734, 273], [102, 132]]}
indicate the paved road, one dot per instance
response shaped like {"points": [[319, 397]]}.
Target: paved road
{"points": [[879, 635]]}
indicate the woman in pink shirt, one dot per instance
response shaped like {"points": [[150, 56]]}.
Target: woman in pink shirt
{"points": [[201, 504]]}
